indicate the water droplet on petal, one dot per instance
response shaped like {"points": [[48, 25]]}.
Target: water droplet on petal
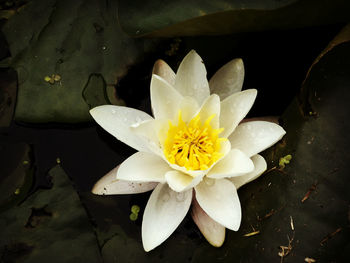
{"points": [[165, 197], [209, 181], [180, 197]]}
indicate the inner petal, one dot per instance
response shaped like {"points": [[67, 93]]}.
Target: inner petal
{"points": [[194, 145]]}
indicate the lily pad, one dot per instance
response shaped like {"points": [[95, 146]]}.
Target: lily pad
{"points": [[71, 39], [50, 222], [190, 17]]}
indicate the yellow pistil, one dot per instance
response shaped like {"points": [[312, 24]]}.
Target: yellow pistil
{"points": [[194, 146]]}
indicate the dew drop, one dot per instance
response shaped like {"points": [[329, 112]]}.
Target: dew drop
{"points": [[165, 197], [209, 181], [180, 197]]}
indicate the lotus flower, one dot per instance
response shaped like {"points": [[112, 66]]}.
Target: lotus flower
{"points": [[194, 150]]}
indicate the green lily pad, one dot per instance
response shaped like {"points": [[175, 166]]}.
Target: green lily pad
{"points": [[51, 225], [71, 39], [190, 17]]}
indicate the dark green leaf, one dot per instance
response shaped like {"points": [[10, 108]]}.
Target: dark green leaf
{"points": [[51, 225], [72, 39], [190, 17]]}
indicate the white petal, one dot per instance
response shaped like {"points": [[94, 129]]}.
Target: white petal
{"points": [[109, 185], [117, 121], [163, 213], [228, 79], [189, 107], [162, 69], [235, 163], [154, 133], [179, 181], [234, 109], [211, 106], [211, 230], [164, 98], [191, 78], [143, 167], [255, 136], [260, 167], [219, 199]]}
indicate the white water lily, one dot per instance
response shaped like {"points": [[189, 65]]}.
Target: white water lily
{"points": [[195, 150]]}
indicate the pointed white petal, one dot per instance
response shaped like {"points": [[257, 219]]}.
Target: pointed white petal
{"points": [[117, 121], [164, 98], [234, 108], [235, 163], [143, 167], [163, 213], [109, 185], [211, 230], [219, 199], [228, 79], [211, 106], [255, 136], [260, 167], [191, 78], [162, 69], [179, 181]]}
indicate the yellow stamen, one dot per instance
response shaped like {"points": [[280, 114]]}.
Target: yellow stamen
{"points": [[194, 146]]}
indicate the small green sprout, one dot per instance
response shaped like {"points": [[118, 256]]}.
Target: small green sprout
{"points": [[133, 217], [285, 160], [135, 209]]}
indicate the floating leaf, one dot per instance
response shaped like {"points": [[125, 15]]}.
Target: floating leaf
{"points": [[71, 39], [50, 222], [190, 17]]}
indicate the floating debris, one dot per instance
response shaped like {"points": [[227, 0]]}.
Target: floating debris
{"points": [[309, 260], [329, 236], [285, 250], [135, 209], [311, 189], [291, 223], [284, 160], [252, 233], [54, 78], [133, 217]]}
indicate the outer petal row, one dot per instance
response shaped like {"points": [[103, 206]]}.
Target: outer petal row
{"points": [[219, 199], [117, 120], [228, 79], [234, 109], [260, 167], [109, 185], [163, 213], [255, 136]]}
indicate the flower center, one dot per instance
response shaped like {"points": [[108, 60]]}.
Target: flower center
{"points": [[194, 146]]}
